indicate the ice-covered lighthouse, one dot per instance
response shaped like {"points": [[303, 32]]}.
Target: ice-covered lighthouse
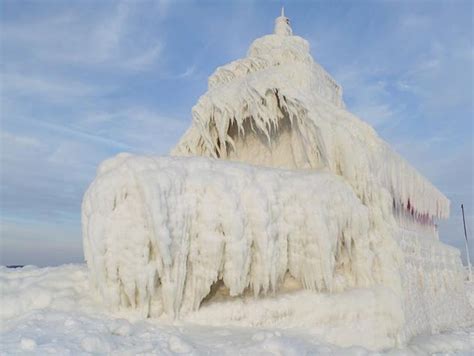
{"points": [[280, 201]]}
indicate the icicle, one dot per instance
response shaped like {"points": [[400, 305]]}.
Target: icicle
{"points": [[185, 222]]}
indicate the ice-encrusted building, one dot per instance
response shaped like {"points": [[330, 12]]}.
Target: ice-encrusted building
{"points": [[312, 202]]}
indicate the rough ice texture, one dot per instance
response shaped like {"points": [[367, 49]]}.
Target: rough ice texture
{"points": [[159, 232], [166, 235], [322, 204], [279, 108], [434, 296]]}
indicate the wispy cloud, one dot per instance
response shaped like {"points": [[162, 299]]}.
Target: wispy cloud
{"points": [[101, 38], [188, 72], [23, 86], [139, 127], [144, 60], [367, 95]]}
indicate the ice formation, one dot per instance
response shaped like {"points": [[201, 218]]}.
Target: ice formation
{"points": [[317, 201], [249, 229]]}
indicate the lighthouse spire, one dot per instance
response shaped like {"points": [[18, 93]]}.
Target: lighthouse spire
{"points": [[282, 25]]}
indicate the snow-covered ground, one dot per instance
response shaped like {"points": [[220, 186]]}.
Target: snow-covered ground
{"points": [[54, 310]]}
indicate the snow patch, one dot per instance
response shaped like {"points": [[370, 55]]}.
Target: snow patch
{"points": [[178, 346], [38, 289], [27, 344], [95, 344]]}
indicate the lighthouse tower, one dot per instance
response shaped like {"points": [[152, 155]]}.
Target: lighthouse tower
{"points": [[318, 209], [282, 25]]}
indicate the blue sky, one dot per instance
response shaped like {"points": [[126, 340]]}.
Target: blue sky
{"points": [[82, 81]]}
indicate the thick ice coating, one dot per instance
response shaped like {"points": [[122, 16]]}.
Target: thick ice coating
{"points": [[317, 204], [161, 231], [277, 107]]}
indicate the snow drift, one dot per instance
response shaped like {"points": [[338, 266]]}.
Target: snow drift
{"points": [[52, 311]]}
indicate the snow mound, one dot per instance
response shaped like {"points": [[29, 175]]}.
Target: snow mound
{"points": [[26, 289], [159, 233]]}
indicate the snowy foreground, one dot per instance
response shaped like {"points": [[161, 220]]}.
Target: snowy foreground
{"points": [[52, 310]]}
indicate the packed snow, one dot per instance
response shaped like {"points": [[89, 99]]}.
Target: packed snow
{"points": [[54, 311]]}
